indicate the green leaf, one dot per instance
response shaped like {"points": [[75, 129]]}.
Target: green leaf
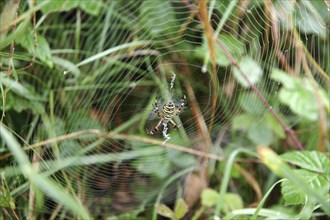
{"points": [[273, 124], [300, 101], [242, 122], [252, 70], [7, 15], [6, 200], [43, 50], [21, 104], [209, 197], [21, 97], [165, 211], [298, 180], [250, 102], [318, 6], [58, 6], [234, 46], [232, 201], [157, 165], [47, 185], [92, 7], [308, 19], [295, 196], [284, 78], [181, 209], [158, 23], [181, 159], [234, 172], [16, 35], [299, 95], [309, 160], [260, 133], [137, 145], [67, 65], [283, 10], [81, 120], [18, 88]]}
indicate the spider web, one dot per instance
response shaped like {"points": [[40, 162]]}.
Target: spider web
{"points": [[127, 54]]}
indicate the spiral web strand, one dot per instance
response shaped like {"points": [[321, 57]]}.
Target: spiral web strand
{"points": [[125, 56]]}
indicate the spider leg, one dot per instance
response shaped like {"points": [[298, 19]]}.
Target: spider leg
{"points": [[175, 126], [156, 128], [182, 105], [156, 109]]}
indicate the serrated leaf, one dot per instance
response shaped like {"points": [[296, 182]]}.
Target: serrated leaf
{"points": [[280, 168], [291, 194], [209, 197], [309, 160], [295, 196], [252, 70], [181, 209], [165, 211]]}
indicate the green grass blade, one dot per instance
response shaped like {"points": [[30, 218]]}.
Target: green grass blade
{"points": [[262, 202], [266, 213], [36, 179], [111, 50]]}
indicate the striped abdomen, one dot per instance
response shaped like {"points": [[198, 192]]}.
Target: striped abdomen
{"points": [[168, 111]]}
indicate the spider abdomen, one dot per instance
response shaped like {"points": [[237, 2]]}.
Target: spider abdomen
{"points": [[168, 111]]}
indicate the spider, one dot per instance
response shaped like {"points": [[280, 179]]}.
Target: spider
{"points": [[166, 113]]}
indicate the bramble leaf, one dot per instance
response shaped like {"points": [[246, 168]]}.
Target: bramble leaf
{"points": [[309, 160], [299, 95]]}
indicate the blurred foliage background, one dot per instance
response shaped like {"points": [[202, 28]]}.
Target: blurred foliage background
{"points": [[78, 81]]}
